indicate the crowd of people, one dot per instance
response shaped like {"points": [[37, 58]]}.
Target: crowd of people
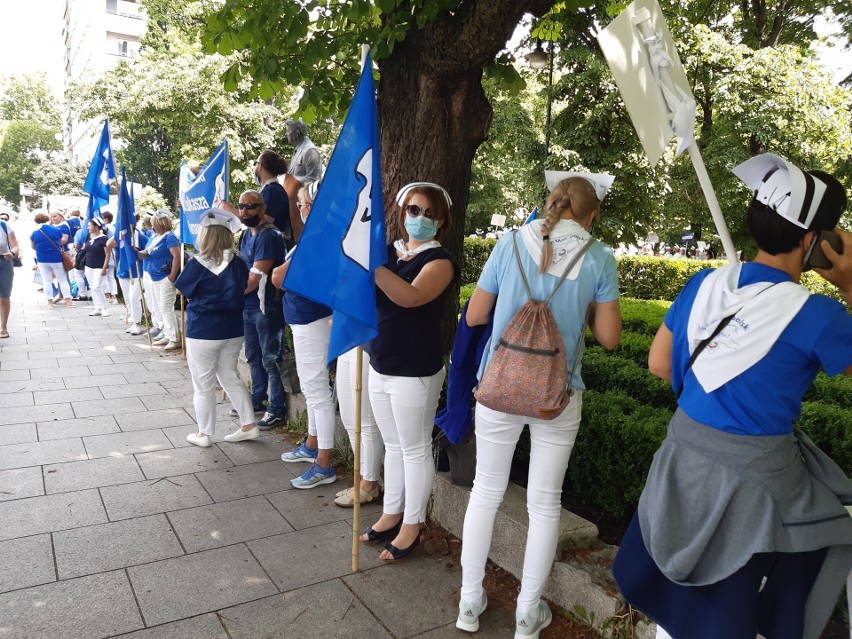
{"points": [[741, 528]]}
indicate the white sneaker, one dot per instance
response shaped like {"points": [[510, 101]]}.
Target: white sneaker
{"points": [[104, 313], [136, 329], [171, 346], [531, 624], [469, 614], [199, 440], [95, 313], [242, 435], [161, 341]]}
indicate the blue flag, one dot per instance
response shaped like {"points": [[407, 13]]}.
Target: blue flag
{"points": [[125, 221], [198, 192], [532, 216], [344, 242], [101, 171]]}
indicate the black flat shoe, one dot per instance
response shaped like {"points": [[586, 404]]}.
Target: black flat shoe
{"points": [[400, 554], [376, 536]]}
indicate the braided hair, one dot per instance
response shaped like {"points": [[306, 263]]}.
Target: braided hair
{"points": [[574, 196]]}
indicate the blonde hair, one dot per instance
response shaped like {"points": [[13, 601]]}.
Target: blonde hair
{"points": [[213, 241], [161, 224], [573, 196]]}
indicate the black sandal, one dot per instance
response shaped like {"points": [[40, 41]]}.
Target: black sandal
{"points": [[376, 536], [400, 554]]}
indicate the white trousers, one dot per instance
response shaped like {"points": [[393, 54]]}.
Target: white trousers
{"points": [[50, 270], [132, 295], [151, 301], [110, 285], [404, 408], [96, 286], [310, 344], [80, 278], [209, 360], [551, 444], [372, 447], [164, 297]]}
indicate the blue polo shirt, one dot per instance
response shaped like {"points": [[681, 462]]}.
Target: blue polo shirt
{"points": [[215, 309], [158, 263], [265, 244], [278, 207], [767, 398], [47, 250]]}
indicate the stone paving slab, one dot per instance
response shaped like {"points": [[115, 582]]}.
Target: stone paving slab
{"points": [[10, 364], [26, 562], [88, 381], [154, 496], [14, 376], [73, 372], [18, 433], [299, 613], [202, 627], [142, 391], [38, 453], [202, 582], [154, 376], [86, 608], [246, 481], [92, 549], [144, 419], [81, 427], [31, 385], [16, 399], [227, 523], [118, 407], [75, 395], [118, 444], [267, 448], [309, 556], [34, 515], [32, 414], [166, 397], [181, 461], [315, 507], [92, 473], [21, 482]]}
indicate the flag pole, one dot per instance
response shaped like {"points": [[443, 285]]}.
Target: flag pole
{"points": [[145, 315], [356, 471], [182, 298]]}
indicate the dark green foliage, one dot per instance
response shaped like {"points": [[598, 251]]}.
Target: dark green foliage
{"points": [[476, 252], [643, 316], [654, 278], [835, 390], [613, 451], [605, 372], [830, 427]]}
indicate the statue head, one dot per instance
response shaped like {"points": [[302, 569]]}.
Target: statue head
{"points": [[296, 131]]}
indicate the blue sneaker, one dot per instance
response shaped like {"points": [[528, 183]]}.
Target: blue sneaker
{"points": [[314, 476], [301, 454], [270, 421]]}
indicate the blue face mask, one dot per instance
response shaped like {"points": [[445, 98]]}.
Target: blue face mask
{"points": [[420, 228], [257, 179]]}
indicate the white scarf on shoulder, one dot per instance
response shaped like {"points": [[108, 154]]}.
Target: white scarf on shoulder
{"points": [[761, 313], [565, 237], [211, 266], [407, 254]]}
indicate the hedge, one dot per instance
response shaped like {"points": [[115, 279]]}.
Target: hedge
{"points": [[643, 316], [643, 277], [830, 428], [632, 346], [613, 451], [604, 372], [835, 390]]}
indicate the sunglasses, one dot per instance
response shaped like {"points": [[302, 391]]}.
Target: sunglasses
{"points": [[251, 206], [412, 210]]}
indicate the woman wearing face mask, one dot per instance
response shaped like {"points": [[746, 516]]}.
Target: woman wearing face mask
{"points": [[162, 263], [406, 365], [310, 323]]}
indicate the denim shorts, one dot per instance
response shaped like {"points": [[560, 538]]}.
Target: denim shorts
{"points": [[7, 274]]}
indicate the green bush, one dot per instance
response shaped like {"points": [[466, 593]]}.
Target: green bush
{"points": [[643, 316], [632, 346], [604, 372], [835, 390], [476, 252], [616, 443], [831, 429], [464, 294]]}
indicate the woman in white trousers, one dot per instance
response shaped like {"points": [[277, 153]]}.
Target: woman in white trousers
{"points": [[162, 266], [96, 260], [214, 282]]}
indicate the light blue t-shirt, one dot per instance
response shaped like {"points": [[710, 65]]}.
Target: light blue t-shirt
{"points": [[597, 281], [767, 398]]}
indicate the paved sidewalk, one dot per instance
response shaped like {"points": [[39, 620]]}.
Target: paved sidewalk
{"points": [[112, 525]]}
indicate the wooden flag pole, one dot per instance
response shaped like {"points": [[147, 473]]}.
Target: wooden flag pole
{"points": [[356, 472], [145, 314], [182, 305]]}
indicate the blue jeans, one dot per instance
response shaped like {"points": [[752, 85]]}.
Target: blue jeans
{"points": [[263, 335]]}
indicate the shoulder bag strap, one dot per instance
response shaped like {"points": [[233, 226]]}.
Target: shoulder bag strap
{"points": [[51, 241]]}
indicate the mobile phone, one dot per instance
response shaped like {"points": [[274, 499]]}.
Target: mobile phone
{"points": [[815, 256]]}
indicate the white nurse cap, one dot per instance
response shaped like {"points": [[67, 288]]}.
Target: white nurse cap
{"points": [[601, 181], [213, 217], [400, 197]]}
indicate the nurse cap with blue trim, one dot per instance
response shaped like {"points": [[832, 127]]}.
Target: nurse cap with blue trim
{"points": [[792, 193], [218, 217], [404, 191]]}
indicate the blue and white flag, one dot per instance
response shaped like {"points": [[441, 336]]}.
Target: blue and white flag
{"points": [[344, 242], [532, 216], [125, 221], [197, 192], [101, 171]]}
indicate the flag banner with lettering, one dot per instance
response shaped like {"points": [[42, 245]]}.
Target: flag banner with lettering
{"points": [[343, 241], [198, 192], [101, 171]]}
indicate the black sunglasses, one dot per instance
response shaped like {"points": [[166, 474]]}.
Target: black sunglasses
{"points": [[251, 206], [412, 210]]}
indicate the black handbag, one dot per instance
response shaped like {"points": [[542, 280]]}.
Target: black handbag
{"points": [[16, 261], [80, 259]]}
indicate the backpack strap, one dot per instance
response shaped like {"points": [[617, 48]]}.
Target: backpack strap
{"points": [[567, 270]]}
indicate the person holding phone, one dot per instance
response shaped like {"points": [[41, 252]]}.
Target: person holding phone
{"points": [[741, 528]]}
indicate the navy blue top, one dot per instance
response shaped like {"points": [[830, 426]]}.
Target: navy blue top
{"points": [[74, 225], [266, 244], [65, 230], [409, 340], [96, 251], [754, 402], [278, 207], [215, 309], [299, 310], [157, 263], [47, 252]]}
